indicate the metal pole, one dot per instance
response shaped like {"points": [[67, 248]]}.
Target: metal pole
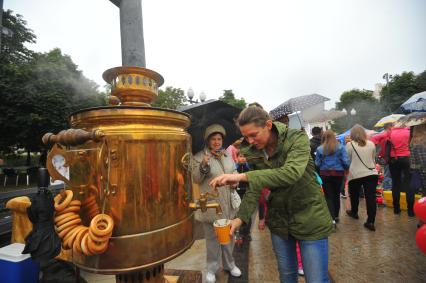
{"points": [[1, 21], [386, 77], [131, 27]]}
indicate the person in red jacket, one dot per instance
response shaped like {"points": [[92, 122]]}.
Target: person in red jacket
{"points": [[399, 165]]}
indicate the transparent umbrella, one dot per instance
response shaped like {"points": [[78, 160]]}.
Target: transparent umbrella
{"points": [[388, 119], [296, 104], [416, 103], [412, 119]]}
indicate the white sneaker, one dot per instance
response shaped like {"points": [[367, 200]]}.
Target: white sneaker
{"points": [[210, 277], [236, 272], [300, 272]]}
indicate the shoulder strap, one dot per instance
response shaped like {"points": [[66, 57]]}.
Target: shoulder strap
{"points": [[360, 158]]}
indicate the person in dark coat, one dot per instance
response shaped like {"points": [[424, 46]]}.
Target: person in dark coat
{"points": [[315, 141]]}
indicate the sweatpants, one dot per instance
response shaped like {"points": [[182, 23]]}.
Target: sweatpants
{"points": [[217, 254]]}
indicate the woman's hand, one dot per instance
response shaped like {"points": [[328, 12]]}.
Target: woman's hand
{"points": [[206, 158], [235, 224], [228, 179]]}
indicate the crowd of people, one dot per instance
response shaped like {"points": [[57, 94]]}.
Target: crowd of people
{"points": [[294, 183]]}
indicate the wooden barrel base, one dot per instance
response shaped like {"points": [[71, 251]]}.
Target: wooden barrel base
{"points": [[152, 275]]}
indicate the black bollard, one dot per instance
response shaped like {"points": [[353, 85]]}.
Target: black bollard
{"points": [[43, 178]]}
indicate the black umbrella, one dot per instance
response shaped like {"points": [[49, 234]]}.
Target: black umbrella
{"points": [[42, 243], [211, 112]]}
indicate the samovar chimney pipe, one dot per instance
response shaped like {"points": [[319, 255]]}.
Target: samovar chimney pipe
{"points": [[131, 30]]}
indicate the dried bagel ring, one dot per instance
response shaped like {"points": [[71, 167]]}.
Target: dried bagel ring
{"points": [[65, 202], [70, 208], [70, 237], [88, 201], [75, 202], [64, 241], [97, 238], [64, 232], [94, 189], [94, 225], [69, 224], [63, 216], [96, 248], [84, 245], [67, 219], [76, 247]]}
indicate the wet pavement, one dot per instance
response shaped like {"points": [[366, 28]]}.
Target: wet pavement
{"points": [[356, 254]]}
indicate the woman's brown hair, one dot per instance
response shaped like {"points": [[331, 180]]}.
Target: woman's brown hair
{"points": [[359, 135], [255, 115], [329, 142]]}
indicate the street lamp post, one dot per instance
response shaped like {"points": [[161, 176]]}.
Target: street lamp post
{"points": [[388, 77], [190, 93]]}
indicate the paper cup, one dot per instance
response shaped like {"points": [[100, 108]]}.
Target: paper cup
{"points": [[222, 227]]}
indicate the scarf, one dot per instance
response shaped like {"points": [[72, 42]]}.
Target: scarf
{"points": [[218, 153]]}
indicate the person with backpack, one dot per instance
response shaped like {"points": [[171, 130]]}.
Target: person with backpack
{"points": [[397, 155], [362, 174]]}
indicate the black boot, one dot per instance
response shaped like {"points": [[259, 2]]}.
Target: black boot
{"points": [[396, 210]]}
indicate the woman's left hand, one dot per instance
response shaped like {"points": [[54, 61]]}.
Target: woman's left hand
{"points": [[227, 179]]}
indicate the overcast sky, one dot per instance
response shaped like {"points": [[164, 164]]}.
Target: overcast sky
{"points": [[266, 51]]}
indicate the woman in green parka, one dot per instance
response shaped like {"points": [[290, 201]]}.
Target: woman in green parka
{"points": [[280, 159]]}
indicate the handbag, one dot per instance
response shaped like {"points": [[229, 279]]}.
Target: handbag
{"points": [[235, 199], [361, 159]]}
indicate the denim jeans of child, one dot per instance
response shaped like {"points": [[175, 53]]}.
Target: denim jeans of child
{"points": [[314, 259]]}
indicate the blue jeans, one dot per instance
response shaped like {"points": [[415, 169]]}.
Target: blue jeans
{"points": [[314, 259], [387, 180]]}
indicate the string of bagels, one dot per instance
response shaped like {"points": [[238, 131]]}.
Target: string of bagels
{"points": [[81, 239]]}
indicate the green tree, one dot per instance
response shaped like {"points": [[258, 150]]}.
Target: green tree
{"points": [[421, 81], [38, 91], [229, 97], [368, 110], [400, 88], [170, 98], [13, 49]]}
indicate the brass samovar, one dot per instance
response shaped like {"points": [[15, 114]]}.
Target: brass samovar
{"points": [[132, 160]]}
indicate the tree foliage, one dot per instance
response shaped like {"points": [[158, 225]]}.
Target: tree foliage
{"points": [[368, 110], [229, 97], [13, 49], [170, 98], [400, 88], [38, 91]]}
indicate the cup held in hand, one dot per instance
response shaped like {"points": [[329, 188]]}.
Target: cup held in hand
{"points": [[222, 228]]}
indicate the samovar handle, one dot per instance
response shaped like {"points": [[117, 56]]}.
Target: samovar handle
{"points": [[73, 137], [57, 150], [186, 161], [70, 137]]}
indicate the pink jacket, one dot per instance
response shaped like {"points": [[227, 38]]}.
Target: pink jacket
{"points": [[400, 138], [234, 152]]}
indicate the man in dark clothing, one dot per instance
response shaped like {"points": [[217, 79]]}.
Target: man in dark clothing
{"points": [[315, 141]]}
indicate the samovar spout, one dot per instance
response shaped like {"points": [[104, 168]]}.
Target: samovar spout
{"points": [[216, 206], [202, 204]]}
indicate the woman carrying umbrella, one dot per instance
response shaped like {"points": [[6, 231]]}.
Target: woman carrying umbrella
{"points": [[281, 160], [208, 164]]}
